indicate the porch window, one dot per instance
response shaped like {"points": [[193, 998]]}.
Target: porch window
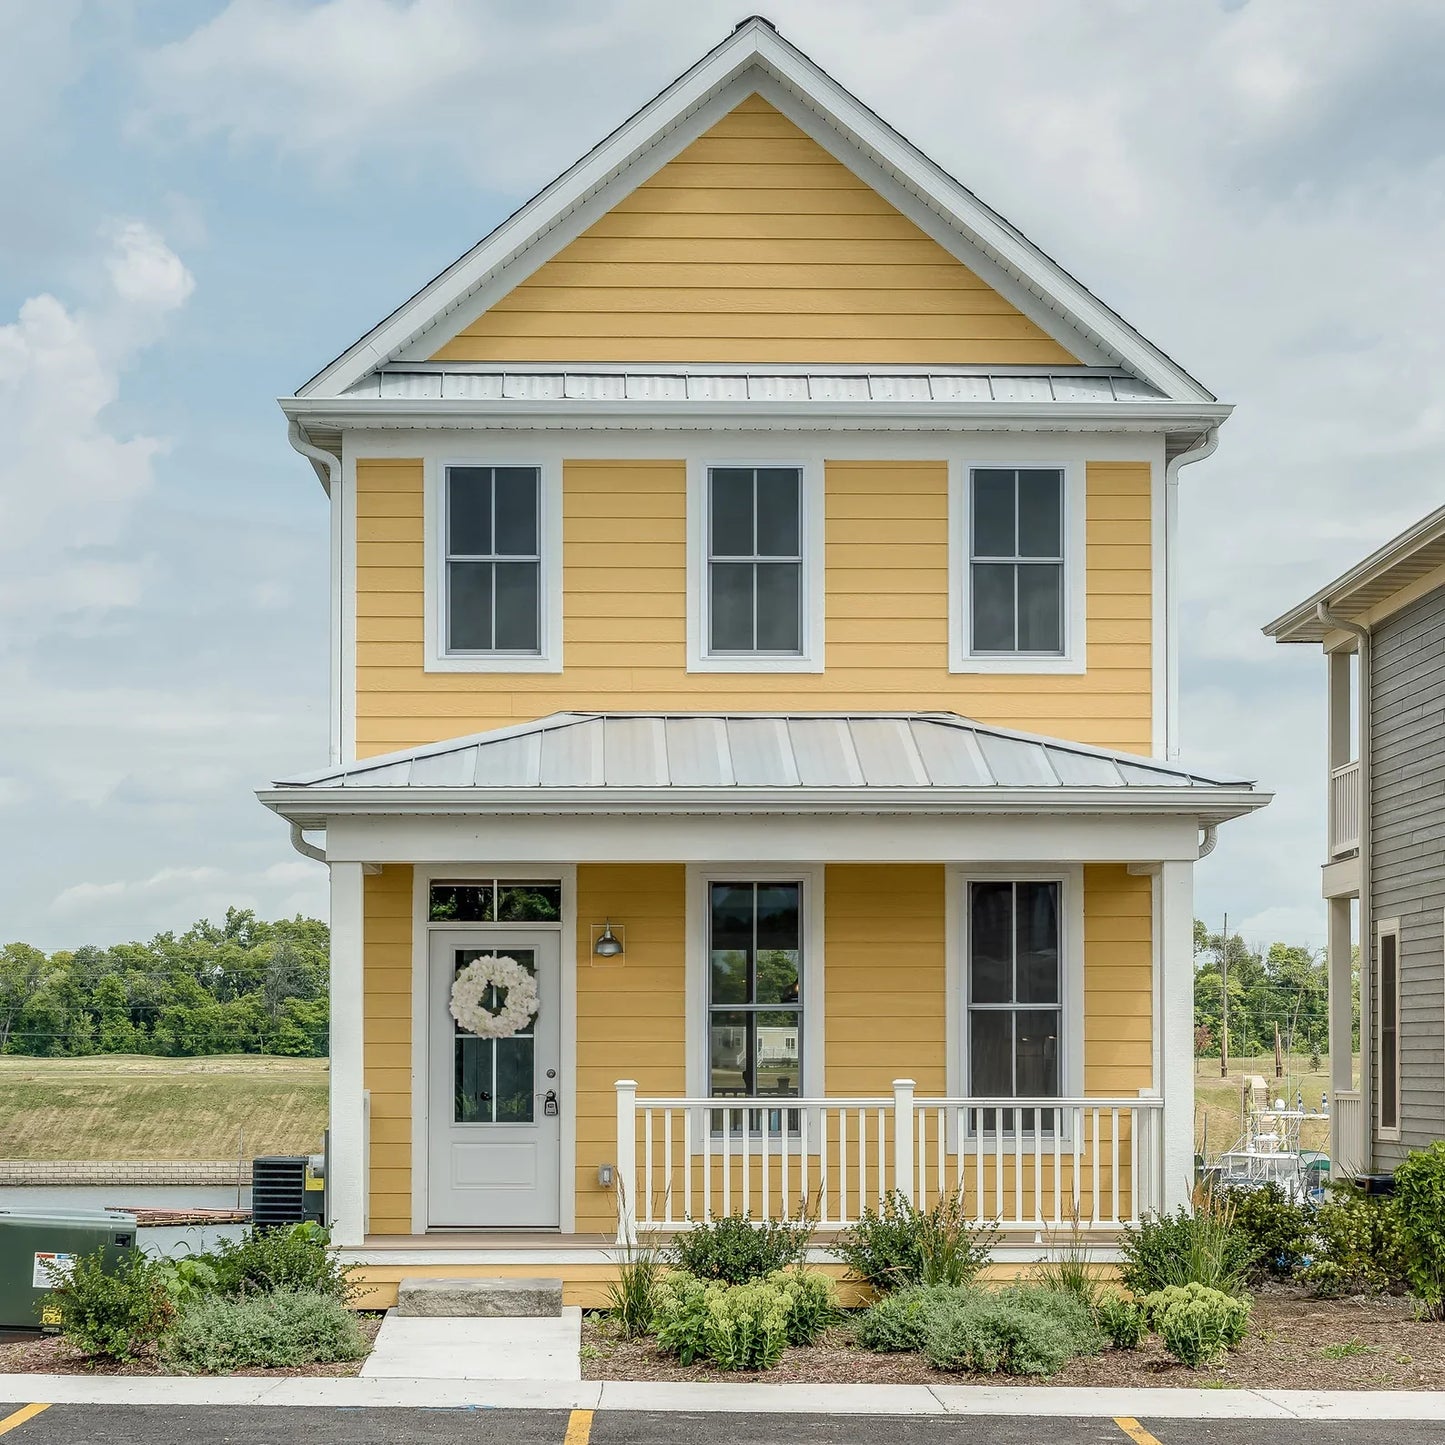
{"points": [[755, 1007], [755, 561], [1389, 1006], [1016, 562], [493, 561], [1015, 1012]]}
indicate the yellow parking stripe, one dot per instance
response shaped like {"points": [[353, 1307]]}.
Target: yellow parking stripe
{"points": [[1135, 1431], [24, 1413], [579, 1428]]}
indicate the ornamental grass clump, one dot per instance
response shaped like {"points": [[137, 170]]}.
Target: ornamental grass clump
{"points": [[899, 1246], [1199, 1246]]}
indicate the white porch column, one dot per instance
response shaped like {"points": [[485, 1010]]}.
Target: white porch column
{"points": [[1175, 957], [346, 1184], [1348, 1144]]}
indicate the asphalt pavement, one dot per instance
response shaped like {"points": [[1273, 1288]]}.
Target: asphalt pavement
{"points": [[311, 1425]]}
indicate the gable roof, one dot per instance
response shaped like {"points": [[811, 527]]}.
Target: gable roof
{"points": [[726, 762], [1417, 551], [756, 58]]}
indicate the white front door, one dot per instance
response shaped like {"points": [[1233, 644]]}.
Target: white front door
{"points": [[495, 1130]]}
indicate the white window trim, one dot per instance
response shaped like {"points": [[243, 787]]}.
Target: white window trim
{"points": [[1070, 878], [960, 536], [423, 876], [699, 659], [1387, 927], [699, 876], [549, 536]]}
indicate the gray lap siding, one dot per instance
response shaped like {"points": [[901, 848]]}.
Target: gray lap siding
{"points": [[1407, 795]]}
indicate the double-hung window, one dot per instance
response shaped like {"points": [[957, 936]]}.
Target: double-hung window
{"points": [[755, 1003], [1014, 1001], [1017, 599], [754, 582], [493, 587]]}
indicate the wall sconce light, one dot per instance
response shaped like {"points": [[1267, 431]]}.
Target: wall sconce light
{"points": [[607, 944]]}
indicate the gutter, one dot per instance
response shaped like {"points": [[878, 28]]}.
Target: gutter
{"points": [[1205, 447], [1363, 638]]}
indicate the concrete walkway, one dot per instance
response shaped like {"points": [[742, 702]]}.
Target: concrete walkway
{"points": [[450, 1348]]}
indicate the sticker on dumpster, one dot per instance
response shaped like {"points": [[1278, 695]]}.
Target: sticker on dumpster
{"points": [[50, 1269]]}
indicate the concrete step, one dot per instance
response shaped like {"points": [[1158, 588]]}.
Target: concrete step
{"points": [[479, 1298]]}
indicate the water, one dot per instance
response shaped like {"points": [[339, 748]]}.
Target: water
{"points": [[162, 1240]]}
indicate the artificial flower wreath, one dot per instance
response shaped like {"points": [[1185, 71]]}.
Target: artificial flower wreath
{"points": [[519, 997]]}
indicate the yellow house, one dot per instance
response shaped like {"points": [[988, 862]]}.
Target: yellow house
{"points": [[753, 617]]}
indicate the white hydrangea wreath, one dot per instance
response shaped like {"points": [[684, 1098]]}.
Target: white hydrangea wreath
{"points": [[519, 997]]}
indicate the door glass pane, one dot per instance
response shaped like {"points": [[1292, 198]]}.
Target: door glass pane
{"points": [[993, 513], [991, 943], [779, 1060], [514, 1080], [469, 511], [517, 621], [461, 903], [1038, 942], [529, 902], [778, 517], [993, 607], [729, 1054], [732, 606], [1041, 514], [990, 1048], [779, 607], [516, 511], [1041, 610], [473, 1104], [469, 606], [732, 512]]}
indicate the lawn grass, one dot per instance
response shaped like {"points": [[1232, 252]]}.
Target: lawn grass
{"points": [[124, 1106], [1220, 1101]]}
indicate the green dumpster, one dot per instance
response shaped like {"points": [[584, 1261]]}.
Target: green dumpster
{"points": [[33, 1240]]}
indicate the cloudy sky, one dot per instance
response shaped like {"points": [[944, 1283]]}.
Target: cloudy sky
{"points": [[206, 201]]}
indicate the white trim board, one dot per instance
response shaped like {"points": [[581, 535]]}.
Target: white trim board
{"points": [[755, 57]]}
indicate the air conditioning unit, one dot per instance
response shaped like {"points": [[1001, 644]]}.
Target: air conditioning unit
{"points": [[288, 1189]]}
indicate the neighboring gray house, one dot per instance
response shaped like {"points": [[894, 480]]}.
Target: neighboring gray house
{"points": [[1382, 628]]}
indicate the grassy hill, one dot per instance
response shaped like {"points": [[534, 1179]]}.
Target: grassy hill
{"points": [[121, 1106]]}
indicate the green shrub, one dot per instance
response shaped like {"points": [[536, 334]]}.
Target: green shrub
{"points": [[995, 1334], [1420, 1215], [113, 1310], [279, 1330], [1065, 1306], [632, 1296], [895, 1323], [297, 1260], [736, 1250], [189, 1277], [1202, 1246], [1197, 1324], [679, 1317], [898, 1245], [1122, 1321], [1358, 1244], [812, 1303], [1279, 1230]]}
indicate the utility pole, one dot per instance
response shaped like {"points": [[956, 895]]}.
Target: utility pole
{"points": [[1224, 1002], [1278, 1053]]}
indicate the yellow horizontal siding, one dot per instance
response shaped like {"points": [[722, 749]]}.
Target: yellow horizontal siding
{"points": [[624, 610], [386, 1033], [754, 244], [1118, 980]]}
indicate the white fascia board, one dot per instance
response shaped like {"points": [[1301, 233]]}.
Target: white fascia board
{"points": [[757, 44], [1215, 804], [1156, 416]]}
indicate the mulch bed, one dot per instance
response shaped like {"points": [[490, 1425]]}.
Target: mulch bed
{"points": [[50, 1355], [1292, 1345]]}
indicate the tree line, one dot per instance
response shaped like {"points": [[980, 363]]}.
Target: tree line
{"points": [[245, 986], [1283, 986]]}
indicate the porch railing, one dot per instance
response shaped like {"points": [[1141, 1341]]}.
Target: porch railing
{"points": [[1349, 1147], [1032, 1165], [1345, 809]]}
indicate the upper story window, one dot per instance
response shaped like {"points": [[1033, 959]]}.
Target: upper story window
{"points": [[1017, 603], [757, 583], [495, 603]]}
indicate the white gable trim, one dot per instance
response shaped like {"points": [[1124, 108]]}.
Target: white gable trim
{"points": [[867, 141]]}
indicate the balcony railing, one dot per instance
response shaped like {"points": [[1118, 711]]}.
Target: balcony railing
{"points": [[1345, 809], [1031, 1165]]}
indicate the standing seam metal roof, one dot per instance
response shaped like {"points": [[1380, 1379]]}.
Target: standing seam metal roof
{"points": [[743, 750]]}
